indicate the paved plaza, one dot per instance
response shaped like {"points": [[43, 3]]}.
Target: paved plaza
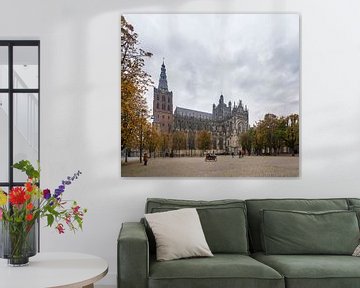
{"points": [[225, 166]]}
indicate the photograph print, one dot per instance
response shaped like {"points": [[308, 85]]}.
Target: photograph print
{"points": [[210, 95]]}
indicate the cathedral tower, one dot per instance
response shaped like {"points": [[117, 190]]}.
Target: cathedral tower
{"points": [[163, 104]]}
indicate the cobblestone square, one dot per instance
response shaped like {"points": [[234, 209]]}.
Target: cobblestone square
{"points": [[225, 166]]}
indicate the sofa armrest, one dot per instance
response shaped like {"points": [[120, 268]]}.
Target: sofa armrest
{"points": [[133, 256]]}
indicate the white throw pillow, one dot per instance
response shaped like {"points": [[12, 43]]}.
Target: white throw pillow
{"points": [[178, 234], [357, 251]]}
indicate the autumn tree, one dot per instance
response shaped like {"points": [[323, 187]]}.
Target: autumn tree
{"points": [[165, 143], [272, 134], [280, 134], [246, 140], [134, 84], [178, 141], [269, 134], [191, 141], [152, 139], [204, 140], [291, 135], [268, 127], [258, 141]]}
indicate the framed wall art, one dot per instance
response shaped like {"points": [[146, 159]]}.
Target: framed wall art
{"points": [[210, 95]]}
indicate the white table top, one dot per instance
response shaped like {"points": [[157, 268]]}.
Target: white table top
{"points": [[68, 270]]}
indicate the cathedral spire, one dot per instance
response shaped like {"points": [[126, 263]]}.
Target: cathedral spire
{"points": [[163, 79]]}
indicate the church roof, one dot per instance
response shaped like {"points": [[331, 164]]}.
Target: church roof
{"points": [[192, 113]]}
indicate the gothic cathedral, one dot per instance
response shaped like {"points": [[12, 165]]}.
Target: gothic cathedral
{"points": [[225, 123]]}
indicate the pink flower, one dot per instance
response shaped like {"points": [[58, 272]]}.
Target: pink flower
{"points": [[68, 219], [1, 212], [60, 228], [75, 209]]}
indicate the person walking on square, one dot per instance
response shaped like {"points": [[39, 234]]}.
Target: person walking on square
{"points": [[145, 159]]}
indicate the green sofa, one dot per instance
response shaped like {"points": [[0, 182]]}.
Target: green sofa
{"points": [[236, 234]]}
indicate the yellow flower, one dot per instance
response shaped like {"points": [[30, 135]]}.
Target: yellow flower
{"points": [[3, 198]]}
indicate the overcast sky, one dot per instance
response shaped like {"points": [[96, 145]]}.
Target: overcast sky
{"points": [[252, 57]]}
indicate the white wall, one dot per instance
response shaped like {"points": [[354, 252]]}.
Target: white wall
{"points": [[80, 104]]}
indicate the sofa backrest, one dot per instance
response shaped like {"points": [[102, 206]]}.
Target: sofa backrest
{"points": [[353, 202], [223, 221], [256, 205]]}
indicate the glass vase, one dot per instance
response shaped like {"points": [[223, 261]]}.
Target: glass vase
{"points": [[18, 242]]}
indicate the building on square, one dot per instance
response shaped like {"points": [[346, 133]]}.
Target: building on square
{"points": [[225, 123]]}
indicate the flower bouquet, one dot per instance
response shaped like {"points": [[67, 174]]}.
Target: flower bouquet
{"points": [[21, 208]]}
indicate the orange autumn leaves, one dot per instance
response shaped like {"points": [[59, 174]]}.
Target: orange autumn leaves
{"points": [[135, 81]]}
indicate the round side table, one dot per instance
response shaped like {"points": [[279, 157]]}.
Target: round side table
{"points": [[50, 270]]}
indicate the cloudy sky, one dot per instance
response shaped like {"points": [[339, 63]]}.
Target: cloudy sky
{"points": [[252, 57]]}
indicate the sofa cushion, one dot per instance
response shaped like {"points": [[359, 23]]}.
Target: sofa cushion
{"points": [[178, 234], [356, 209], [297, 232], [254, 206], [353, 201], [222, 270], [313, 271], [223, 221]]}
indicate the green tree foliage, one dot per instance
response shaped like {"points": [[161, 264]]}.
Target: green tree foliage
{"points": [[134, 84], [271, 135]]}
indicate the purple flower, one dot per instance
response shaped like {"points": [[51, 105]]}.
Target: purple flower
{"points": [[46, 194], [64, 183], [58, 192]]}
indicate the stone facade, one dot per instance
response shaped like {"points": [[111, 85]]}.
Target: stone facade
{"points": [[225, 123]]}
